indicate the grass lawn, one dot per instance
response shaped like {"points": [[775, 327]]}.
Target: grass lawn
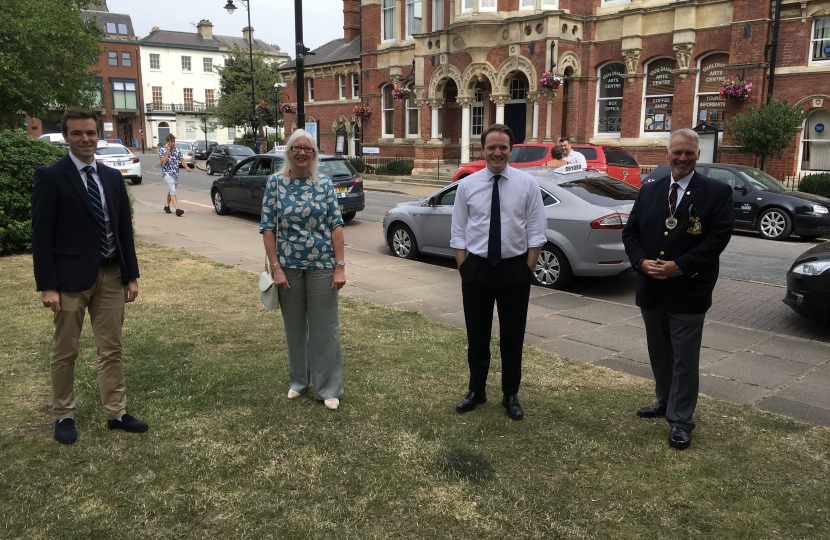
{"points": [[228, 456]]}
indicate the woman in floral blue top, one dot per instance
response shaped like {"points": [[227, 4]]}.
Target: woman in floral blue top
{"points": [[302, 230]]}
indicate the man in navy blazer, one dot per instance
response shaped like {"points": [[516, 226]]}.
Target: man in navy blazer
{"points": [[676, 231], [84, 259]]}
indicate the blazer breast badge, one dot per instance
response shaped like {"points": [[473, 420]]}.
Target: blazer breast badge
{"points": [[694, 226]]}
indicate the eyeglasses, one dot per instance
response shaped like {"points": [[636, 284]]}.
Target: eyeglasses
{"points": [[301, 149]]}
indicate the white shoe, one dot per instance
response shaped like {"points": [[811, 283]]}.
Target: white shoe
{"points": [[332, 403], [292, 394]]}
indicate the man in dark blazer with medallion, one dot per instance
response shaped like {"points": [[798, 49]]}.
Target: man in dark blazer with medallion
{"points": [[676, 231], [84, 259]]}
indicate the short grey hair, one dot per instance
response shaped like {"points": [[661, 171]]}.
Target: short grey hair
{"points": [[286, 164], [685, 132]]}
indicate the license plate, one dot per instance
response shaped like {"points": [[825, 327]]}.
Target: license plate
{"points": [[125, 171], [341, 192]]}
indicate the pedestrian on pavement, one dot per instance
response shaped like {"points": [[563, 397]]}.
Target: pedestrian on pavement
{"points": [[556, 154], [676, 231], [571, 155], [302, 230], [498, 230], [84, 259], [171, 157]]}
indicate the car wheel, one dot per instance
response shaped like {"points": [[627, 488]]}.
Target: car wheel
{"points": [[348, 216], [219, 204], [775, 224], [552, 268], [402, 242], [137, 181], [209, 168]]}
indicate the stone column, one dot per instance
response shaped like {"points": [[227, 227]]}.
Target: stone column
{"points": [[549, 95], [465, 127], [533, 99], [435, 106], [499, 100]]}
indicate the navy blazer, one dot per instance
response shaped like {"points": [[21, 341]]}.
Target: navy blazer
{"points": [[65, 235], [706, 217]]}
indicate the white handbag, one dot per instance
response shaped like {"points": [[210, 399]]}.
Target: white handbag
{"points": [[269, 293]]}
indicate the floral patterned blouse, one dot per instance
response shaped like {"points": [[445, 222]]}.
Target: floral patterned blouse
{"points": [[307, 213]]}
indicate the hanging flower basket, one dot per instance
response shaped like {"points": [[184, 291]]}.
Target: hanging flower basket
{"points": [[735, 88], [362, 110], [261, 107], [400, 94], [550, 81], [285, 108]]}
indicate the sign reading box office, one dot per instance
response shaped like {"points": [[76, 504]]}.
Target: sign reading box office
{"points": [[659, 95], [609, 119]]}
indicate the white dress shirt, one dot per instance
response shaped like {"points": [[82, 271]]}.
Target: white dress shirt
{"points": [[80, 165], [576, 157], [683, 183], [523, 221]]}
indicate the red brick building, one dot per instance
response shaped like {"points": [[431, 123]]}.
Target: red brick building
{"points": [[633, 71]]}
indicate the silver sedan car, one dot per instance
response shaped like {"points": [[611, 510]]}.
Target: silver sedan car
{"points": [[586, 213]]}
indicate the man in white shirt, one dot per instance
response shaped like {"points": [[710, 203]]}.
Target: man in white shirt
{"points": [[571, 155], [498, 230]]}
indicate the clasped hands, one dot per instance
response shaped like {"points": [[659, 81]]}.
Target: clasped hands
{"points": [[659, 269], [337, 282]]}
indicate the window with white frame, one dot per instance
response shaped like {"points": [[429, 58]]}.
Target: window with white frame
{"points": [[231, 133], [467, 6], [388, 116], [414, 17], [355, 85], [190, 130], [185, 63], [387, 19], [610, 99], [207, 64], [310, 90], [157, 99], [477, 116], [550, 4], [517, 89], [709, 80], [413, 114], [815, 142], [527, 4], [188, 98], [155, 61], [659, 95], [487, 5], [341, 85], [820, 41], [606, 3], [210, 98], [437, 15]]}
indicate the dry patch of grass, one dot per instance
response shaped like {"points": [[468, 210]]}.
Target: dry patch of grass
{"points": [[227, 456]]}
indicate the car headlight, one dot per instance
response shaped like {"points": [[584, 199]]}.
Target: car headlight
{"points": [[812, 268], [819, 209], [388, 213]]}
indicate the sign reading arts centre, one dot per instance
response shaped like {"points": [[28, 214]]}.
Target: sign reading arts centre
{"points": [[659, 95], [713, 70], [609, 114]]}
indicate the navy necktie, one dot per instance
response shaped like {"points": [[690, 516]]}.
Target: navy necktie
{"points": [[98, 206], [673, 198], [494, 242]]}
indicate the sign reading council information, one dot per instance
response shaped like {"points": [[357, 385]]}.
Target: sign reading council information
{"points": [[568, 169]]}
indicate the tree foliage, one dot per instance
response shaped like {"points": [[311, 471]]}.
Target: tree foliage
{"points": [[768, 130], [45, 50], [233, 108]]}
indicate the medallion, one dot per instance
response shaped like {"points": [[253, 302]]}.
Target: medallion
{"points": [[671, 222]]}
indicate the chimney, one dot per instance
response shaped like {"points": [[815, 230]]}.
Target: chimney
{"points": [[248, 33], [154, 29], [205, 29], [351, 20]]}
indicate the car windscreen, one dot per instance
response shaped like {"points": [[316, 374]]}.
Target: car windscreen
{"points": [[602, 190], [238, 150], [618, 157], [183, 145], [337, 168], [589, 153], [524, 154], [763, 181], [111, 150]]}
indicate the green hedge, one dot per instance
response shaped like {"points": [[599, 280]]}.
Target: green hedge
{"points": [[398, 167], [20, 155], [358, 164], [817, 184]]}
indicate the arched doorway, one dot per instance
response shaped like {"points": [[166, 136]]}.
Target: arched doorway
{"points": [[164, 131], [515, 110], [815, 142]]}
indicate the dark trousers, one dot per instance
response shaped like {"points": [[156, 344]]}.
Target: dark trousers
{"points": [[674, 351], [508, 286]]}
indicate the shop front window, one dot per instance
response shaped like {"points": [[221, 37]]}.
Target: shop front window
{"points": [[710, 104], [657, 109], [610, 99]]}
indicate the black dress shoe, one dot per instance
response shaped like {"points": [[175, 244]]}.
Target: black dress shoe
{"points": [[470, 401], [652, 411], [128, 423], [514, 410], [65, 431], [680, 438]]}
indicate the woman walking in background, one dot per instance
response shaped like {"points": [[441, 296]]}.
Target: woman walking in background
{"points": [[302, 230]]}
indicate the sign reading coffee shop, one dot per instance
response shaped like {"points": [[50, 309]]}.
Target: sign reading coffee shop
{"points": [[659, 95]]}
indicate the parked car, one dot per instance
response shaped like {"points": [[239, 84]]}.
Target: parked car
{"points": [[202, 150], [764, 204], [808, 284], [586, 212], [119, 157], [52, 137], [242, 190], [225, 157], [187, 153], [615, 161]]}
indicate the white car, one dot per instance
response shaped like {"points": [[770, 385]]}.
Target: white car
{"points": [[119, 157], [52, 137], [188, 155]]}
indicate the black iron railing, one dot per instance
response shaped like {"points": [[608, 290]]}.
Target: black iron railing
{"points": [[177, 107]]}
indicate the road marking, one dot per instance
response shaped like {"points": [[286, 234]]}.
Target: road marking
{"points": [[199, 204]]}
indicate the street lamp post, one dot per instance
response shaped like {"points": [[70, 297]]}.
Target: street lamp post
{"points": [[231, 8], [277, 87]]}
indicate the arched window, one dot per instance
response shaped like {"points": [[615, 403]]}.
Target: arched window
{"points": [[477, 116], [413, 114], [388, 106], [610, 99], [659, 94], [517, 89], [709, 105], [815, 142]]}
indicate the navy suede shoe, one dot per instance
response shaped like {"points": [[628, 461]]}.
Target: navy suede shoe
{"points": [[65, 431], [128, 423]]}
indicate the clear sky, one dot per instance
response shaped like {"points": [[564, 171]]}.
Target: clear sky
{"points": [[273, 20]]}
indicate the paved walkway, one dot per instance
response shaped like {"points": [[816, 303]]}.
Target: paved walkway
{"points": [[745, 358]]}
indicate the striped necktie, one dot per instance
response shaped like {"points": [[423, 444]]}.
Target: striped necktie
{"points": [[98, 206], [494, 240], [673, 198]]}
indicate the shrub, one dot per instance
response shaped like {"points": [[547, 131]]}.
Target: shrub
{"points": [[358, 164], [398, 167], [20, 155], [817, 184], [381, 169]]}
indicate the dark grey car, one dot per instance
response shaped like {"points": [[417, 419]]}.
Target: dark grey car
{"points": [[225, 157]]}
